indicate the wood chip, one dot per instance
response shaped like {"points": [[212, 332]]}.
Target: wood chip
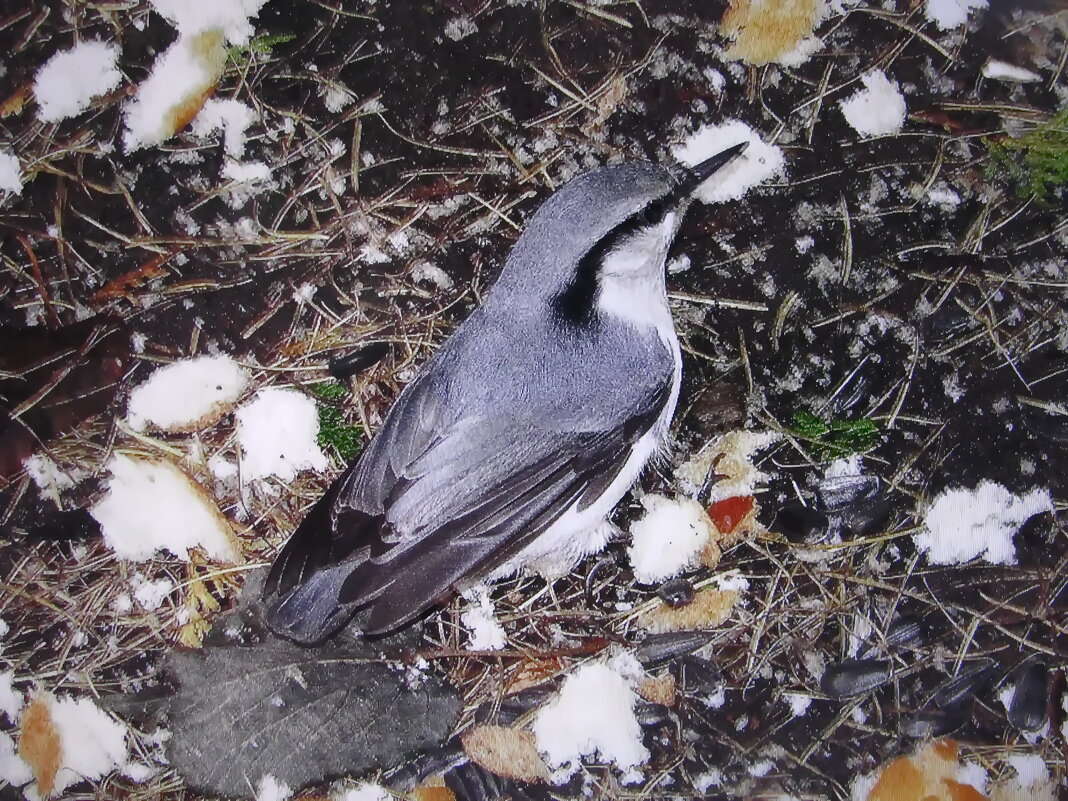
{"points": [[507, 752], [39, 744], [708, 609]]}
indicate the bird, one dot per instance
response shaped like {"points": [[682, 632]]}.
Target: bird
{"points": [[514, 441]]}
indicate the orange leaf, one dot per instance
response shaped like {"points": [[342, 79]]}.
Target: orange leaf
{"points": [[901, 780], [726, 514], [39, 744], [962, 792]]}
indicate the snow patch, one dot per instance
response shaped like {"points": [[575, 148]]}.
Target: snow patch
{"points": [[459, 28], [186, 71], [798, 702], [246, 172], [270, 789], [151, 594], [151, 506], [364, 792], [668, 538], [947, 14], [703, 782], [11, 700], [963, 524], [486, 633], [186, 394], [46, 474], [592, 715], [425, 272], [10, 174], [1030, 769], [277, 431], [13, 769], [336, 98], [195, 16], [942, 194], [759, 163], [68, 81], [232, 117], [1003, 71], [876, 110], [91, 742]]}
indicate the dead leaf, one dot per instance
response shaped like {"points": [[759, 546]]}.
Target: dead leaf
{"points": [[507, 752], [534, 672], [16, 101], [765, 31], [433, 792], [928, 775], [709, 608], [607, 103], [658, 690], [39, 743], [199, 603], [120, 286], [299, 714]]}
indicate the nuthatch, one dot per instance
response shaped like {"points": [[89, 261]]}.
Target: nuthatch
{"points": [[513, 443]]}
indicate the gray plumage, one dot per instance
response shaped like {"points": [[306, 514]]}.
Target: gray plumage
{"points": [[524, 418]]}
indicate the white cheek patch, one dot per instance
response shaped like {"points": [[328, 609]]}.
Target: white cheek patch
{"points": [[632, 280], [642, 252]]}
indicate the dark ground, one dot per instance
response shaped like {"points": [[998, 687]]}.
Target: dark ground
{"points": [[944, 326]]}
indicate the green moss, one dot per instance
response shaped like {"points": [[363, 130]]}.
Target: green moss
{"points": [[835, 438], [261, 44], [335, 432], [1035, 163]]}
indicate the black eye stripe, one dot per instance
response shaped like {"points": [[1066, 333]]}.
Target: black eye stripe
{"points": [[575, 304]]}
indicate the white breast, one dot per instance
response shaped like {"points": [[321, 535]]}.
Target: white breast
{"points": [[632, 290]]}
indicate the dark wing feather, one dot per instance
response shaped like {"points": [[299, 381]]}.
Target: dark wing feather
{"points": [[425, 508]]}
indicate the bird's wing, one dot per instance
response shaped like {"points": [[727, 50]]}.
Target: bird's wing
{"points": [[431, 503]]}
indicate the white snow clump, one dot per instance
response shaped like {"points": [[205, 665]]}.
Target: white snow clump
{"points": [[759, 163], [486, 633], [1003, 71], [593, 715], [963, 524], [91, 742], [947, 14], [278, 431], [70, 79], [230, 116], [10, 173], [196, 16], [668, 538], [185, 394], [876, 110], [151, 506]]}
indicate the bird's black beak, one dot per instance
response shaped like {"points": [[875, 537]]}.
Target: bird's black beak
{"points": [[692, 177]]}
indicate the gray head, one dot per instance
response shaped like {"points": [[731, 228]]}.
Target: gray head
{"points": [[563, 250]]}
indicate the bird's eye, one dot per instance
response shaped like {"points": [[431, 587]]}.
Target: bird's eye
{"points": [[652, 214]]}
